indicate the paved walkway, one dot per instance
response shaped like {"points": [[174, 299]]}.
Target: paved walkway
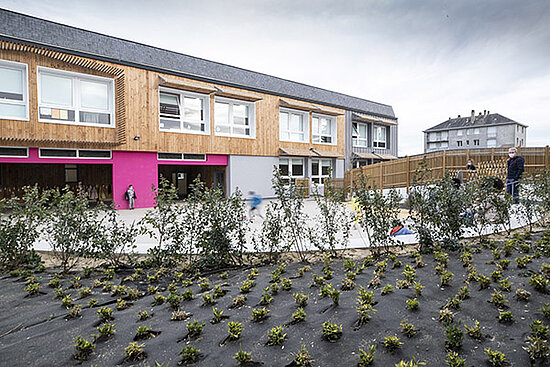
{"points": [[358, 238]]}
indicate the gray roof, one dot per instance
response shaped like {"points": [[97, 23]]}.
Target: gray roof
{"points": [[479, 120], [16, 26]]}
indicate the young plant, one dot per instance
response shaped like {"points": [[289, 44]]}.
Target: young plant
{"points": [[388, 288], [463, 293], [539, 283], [180, 315], [238, 301], [121, 304], [276, 336], [194, 328], [366, 359], [92, 302], [498, 299], [32, 289], [189, 354], [187, 295], [143, 315], [85, 292], [495, 358], [522, 295], [446, 316], [286, 284], [83, 348], [303, 358], [412, 304], [365, 311], [505, 317], [484, 281], [259, 314], [74, 312], [105, 314], [235, 329], [266, 297], [331, 332], [208, 300], [392, 343], [105, 331], [242, 357], [247, 285], [301, 299], [408, 329], [537, 348], [455, 337], [347, 284], [446, 278], [545, 309], [454, 360], [475, 331], [143, 332], [299, 315], [218, 315], [134, 352]]}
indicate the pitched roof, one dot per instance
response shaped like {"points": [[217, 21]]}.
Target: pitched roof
{"points": [[479, 120], [21, 27]]}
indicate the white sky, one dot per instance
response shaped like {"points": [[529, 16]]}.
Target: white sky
{"points": [[429, 59]]}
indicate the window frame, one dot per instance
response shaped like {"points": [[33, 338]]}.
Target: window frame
{"points": [[354, 139], [77, 154], [492, 146], [306, 117], [182, 94], [376, 143], [290, 178], [76, 97], [15, 156], [320, 176], [251, 117], [8, 64], [333, 129], [491, 132]]}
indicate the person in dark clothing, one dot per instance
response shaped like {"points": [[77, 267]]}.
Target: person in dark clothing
{"points": [[470, 165], [515, 170]]}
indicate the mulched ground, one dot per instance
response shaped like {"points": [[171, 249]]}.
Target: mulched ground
{"points": [[34, 330]]}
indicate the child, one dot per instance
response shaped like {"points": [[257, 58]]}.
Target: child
{"points": [[255, 201], [131, 196]]}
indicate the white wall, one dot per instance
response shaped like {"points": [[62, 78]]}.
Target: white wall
{"points": [[252, 173]]}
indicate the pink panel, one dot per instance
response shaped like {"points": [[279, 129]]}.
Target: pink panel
{"points": [[211, 160], [34, 158], [139, 169]]}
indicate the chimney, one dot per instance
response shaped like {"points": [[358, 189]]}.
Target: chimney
{"points": [[473, 117], [458, 116], [488, 112], [484, 113]]}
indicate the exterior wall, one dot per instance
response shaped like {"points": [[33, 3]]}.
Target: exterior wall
{"points": [[339, 169], [139, 169], [251, 173]]}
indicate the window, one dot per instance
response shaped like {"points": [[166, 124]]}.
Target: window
{"points": [[433, 145], [181, 156], [320, 170], [469, 132], [14, 152], [291, 169], [74, 153], [14, 96], [359, 135], [459, 143], [460, 132], [71, 173], [476, 131], [467, 142], [72, 98], [323, 129], [492, 131], [379, 137], [476, 141], [444, 135], [444, 144], [234, 118], [293, 125], [491, 143], [360, 163], [184, 112]]}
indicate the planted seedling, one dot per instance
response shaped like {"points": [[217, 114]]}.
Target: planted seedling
{"points": [[299, 315], [105, 314], [134, 352], [235, 329], [392, 343], [67, 301], [523, 261], [242, 357], [74, 312], [537, 348], [463, 293], [108, 286], [301, 299], [331, 332], [274, 288], [364, 296], [266, 297], [204, 285], [189, 354], [446, 278], [187, 295], [158, 300], [174, 300], [276, 336], [546, 310], [403, 284], [318, 281], [505, 317], [446, 316], [208, 299], [121, 304], [347, 284], [54, 282], [539, 330], [496, 275], [498, 299], [120, 290], [152, 289], [303, 358], [92, 302], [259, 314], [418, 288], [194, 328], [365, 311], [286, 284], [32, 289], [303, 270], [455, 337], [143, 315], [388, 288], [328, 274], [247, 285], [75, 282], [522, 295], [83, 348], [495, 358], [412, 304], [366, 359], [85, 292], [218, 315], [180, 315], [408, 329], [475, 331], [454, 360], [238, 301], [539, 283], [484, 281], [105, 331]]}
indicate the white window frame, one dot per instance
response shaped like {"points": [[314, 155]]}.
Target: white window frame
{"points": [[76, 78], [333, 129], [376, 143], [357, 139], [25, 68], [251, 118], [476, 131], [444, 144], [492, 145], [77, 154], [182, 94], [182, 157], [320, 175], [15, 156], [290, 177], [491, 132], [282, 130], [460, 132]]}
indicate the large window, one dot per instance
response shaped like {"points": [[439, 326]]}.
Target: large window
{"points": [[320, 170], [291, 169], [379, 137], [359, 135], [234, 118], [14, 97], [491, 143], [184, 112], [323, 129], [73, 98], [293, 125], [491, 131]]}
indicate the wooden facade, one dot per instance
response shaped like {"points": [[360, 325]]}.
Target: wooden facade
{"points": [[137, 113]]}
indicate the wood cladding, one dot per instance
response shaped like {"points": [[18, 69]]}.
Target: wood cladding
{"points": [[137, 112]]}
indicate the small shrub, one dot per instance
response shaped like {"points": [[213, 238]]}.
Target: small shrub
{"points": [[301, 299], [454, 360], [259, 314], [134, 352], [403, 284], [408, 329], [274, 288], [475, 331], [189, 354], [392, 343], [158, 300], [299, 315], [105, 314], [105, 331], [504, 263], [318, 281], [331, 332], [524, 248], [366, 359], [539, 330], [446, 316], [505, 317], [247, 285], [303, 358], [388, 288], [365, 311], [523, 261], [364, 296], [505, 285], [238, 301], [179, 315], [194, 328], [219, 292], [498, 299], [412, 304], [539, 283], [276, 336], [85, 292], [455, 337], [446, 278], [495, 358], [143, 315], [83, 348], [74, 312], [242, 357], [496, 275], [235, 330], [537, 348]]}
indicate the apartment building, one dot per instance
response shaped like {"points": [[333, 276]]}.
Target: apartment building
{"points": [[484, 130], [78, 107]]}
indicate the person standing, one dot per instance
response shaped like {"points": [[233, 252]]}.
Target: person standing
{"points": [[470, 165], [131, 196], [516, 166]]}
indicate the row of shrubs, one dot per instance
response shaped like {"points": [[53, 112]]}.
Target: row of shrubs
{"points": [[208, 230]]}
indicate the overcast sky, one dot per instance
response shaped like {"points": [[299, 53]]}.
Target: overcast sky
{"points": [[429, 59]]}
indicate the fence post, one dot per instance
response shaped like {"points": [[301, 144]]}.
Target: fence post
{"points": [[409, 170], [547, 157], [492, 154], [467, 154], [382, 175]]}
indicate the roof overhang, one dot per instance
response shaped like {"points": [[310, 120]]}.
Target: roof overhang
{"points": [[371, 118]]}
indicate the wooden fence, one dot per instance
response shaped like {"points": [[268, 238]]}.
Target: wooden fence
{"points": [[400, 172]]}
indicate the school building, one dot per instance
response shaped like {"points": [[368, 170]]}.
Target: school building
{"points": [[79, 107]]}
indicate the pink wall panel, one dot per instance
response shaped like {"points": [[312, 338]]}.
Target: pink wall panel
{"points": [[139, 169]]}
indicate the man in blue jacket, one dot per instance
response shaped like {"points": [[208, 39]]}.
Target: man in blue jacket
{"points": [[515, 170]]}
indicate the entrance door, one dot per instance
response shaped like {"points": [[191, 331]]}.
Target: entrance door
{"points": [[219, 180], [179, 179]]}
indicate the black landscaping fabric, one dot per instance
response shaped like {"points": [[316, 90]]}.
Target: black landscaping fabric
{"points": [[35, 332]]}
